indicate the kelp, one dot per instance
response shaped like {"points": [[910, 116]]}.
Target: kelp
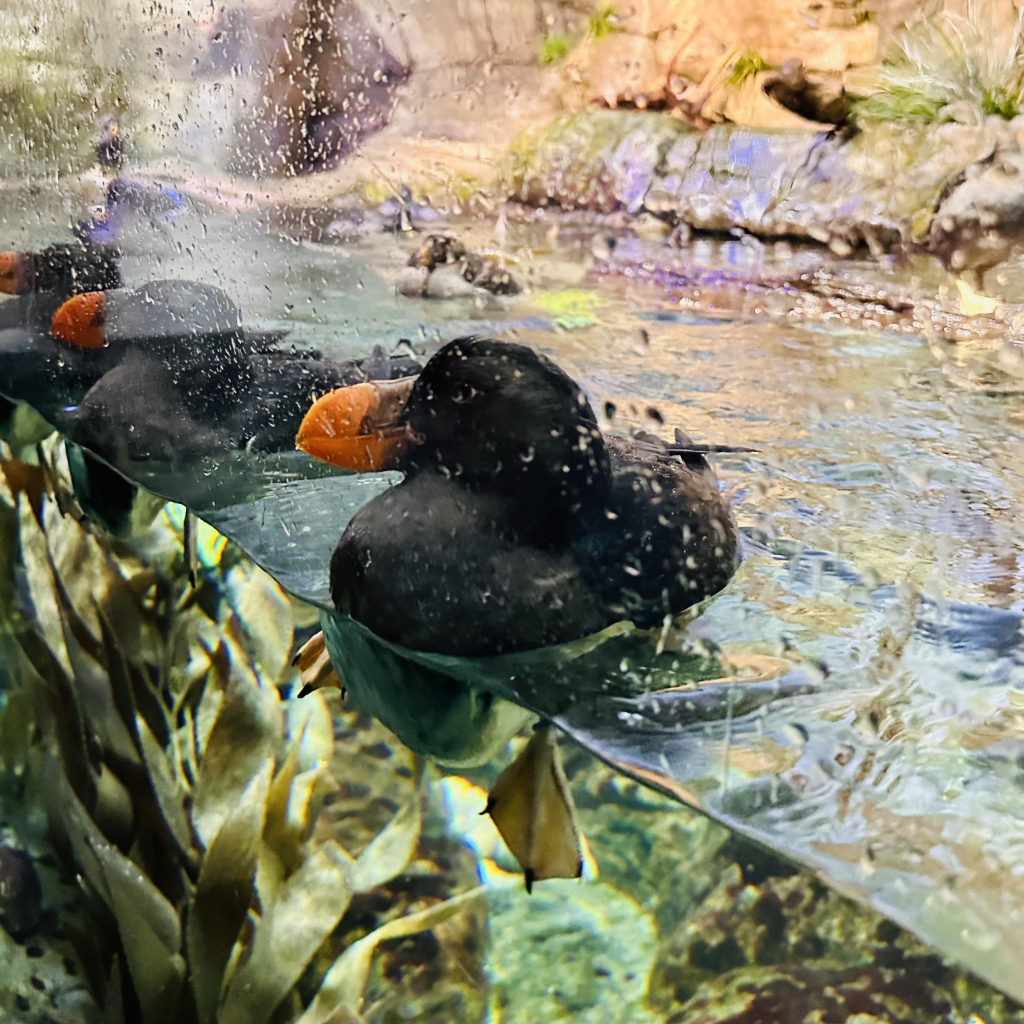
{"points": [[181, 787]]}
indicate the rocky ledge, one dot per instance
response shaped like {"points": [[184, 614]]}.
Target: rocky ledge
{"points": [[955, 190]]}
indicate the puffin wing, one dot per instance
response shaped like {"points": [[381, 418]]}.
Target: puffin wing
{"points": [[446, 577], [670, 541]]}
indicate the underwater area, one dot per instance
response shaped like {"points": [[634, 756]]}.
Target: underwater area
{"points": [[512, 512]]}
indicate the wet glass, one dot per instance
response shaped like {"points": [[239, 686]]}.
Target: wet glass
{"points": [[238, 210]]}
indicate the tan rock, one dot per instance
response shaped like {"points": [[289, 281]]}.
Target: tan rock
{"points": [[689, 52], [826, 35], [822, 49], [625, 68], [779, 30], [748, 104], [837, 14], [651, 17], [441, 33], [700, 101]]}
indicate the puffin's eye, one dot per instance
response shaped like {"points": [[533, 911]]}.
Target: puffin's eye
{"points": [[463, 392]]}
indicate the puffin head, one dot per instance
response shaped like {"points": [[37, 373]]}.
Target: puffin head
{"points": [[486, 414]]}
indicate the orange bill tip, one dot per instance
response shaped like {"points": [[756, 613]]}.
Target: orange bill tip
{"points": [[11, 275], [81, 321], [340, 413], [344, 428]]}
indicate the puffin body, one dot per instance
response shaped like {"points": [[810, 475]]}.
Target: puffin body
{"points": [[166, 372], [518, 525], [34, 366], [62, 270]]}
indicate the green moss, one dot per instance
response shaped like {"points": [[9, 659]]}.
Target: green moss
{"points": [[553, 47], [749, 64], [602, 23], [571, 160]]}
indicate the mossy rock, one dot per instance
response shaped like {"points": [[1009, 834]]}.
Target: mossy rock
{"points": [[811, 993], [600, 160], [773, 943], [571, 951], [881, 187], [741, 929]]}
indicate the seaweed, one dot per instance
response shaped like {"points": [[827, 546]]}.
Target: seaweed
{"points": [[181, 786]]}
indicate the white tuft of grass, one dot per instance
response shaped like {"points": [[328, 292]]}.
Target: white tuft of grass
{"points": [[951, 59]]}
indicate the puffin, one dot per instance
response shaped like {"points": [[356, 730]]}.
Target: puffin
{"points": [[517, 526], [166, 372], [72, 322], [61, 270], [33, 365], [183, 377]]}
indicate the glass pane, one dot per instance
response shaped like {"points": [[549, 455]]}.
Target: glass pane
{"points": [[630, 394]]}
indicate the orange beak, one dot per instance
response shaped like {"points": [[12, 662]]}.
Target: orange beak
{"points": [[12, 273], [357, 428], [81, 321]]}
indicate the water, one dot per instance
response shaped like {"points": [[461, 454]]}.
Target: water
{"points": [[883, 559]]}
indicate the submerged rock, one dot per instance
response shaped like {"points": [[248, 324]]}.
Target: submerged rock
{"points": [[570, 952], [442, 268], [41, 982], [21, 895], [743, 935], [813, 993], [45, 941]]}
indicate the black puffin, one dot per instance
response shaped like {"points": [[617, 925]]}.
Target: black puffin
{"points": [[35, 367], [185, 380], [166, 372], [518, 526], [61, 270]]}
